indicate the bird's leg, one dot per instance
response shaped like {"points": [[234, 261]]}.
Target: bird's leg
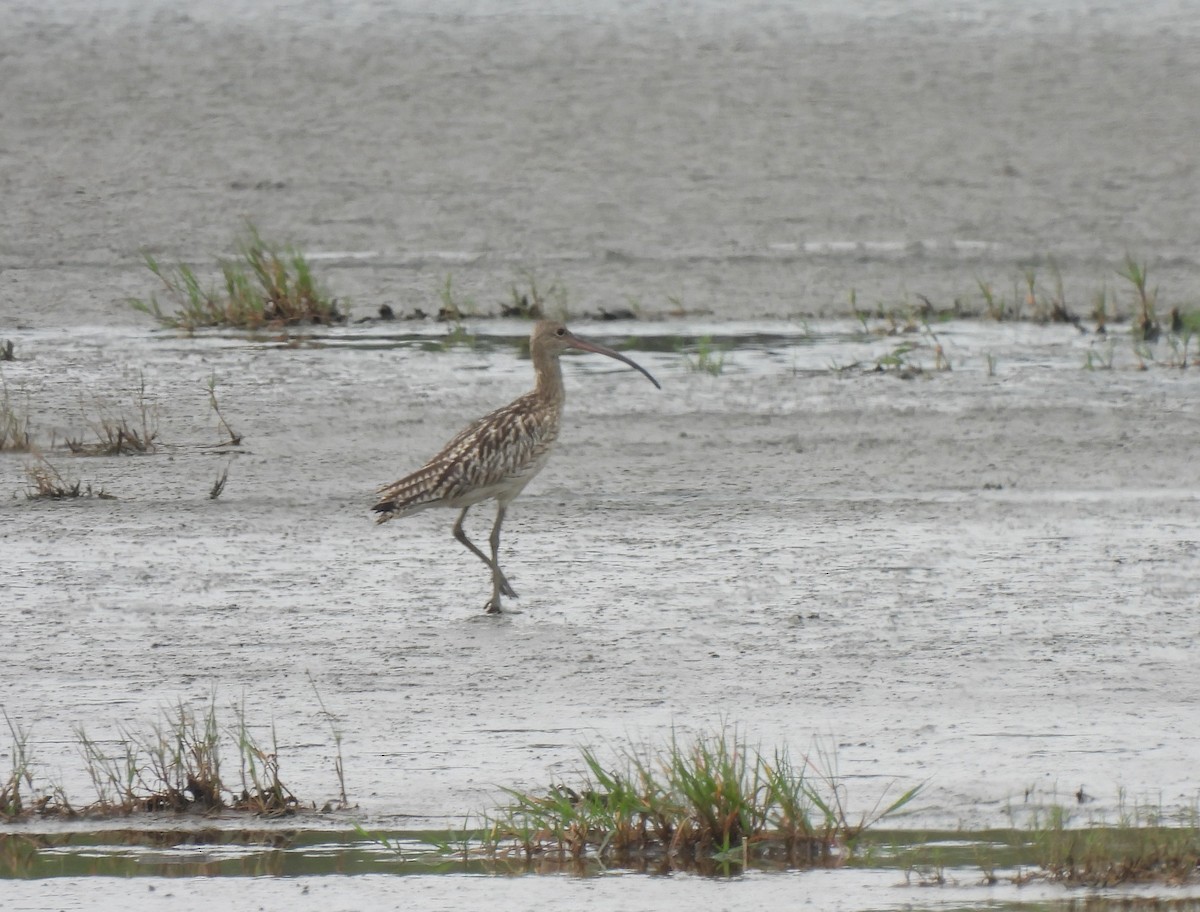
{"points": [[499, 583]]}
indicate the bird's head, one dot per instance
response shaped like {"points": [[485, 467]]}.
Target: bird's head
{"points": [[553, 338]]}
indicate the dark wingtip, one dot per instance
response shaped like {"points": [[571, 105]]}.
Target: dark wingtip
{"points": [[387, 506]]}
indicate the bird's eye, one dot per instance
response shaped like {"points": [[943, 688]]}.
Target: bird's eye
{"points": [[561, 331]]}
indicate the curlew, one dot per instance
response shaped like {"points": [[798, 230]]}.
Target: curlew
{"points": [[497, 456]]}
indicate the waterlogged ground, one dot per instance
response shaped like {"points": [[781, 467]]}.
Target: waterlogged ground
{"points": [[981, 578]]}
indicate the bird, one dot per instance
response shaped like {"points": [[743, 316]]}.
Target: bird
{"points": [[496, 456]]}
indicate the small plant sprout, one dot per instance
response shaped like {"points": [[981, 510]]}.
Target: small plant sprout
{"points": [[940, 361], [339, 766], [262, 286], [705, 356], [452, 310], [218, 486], [1058, 310], [1145, 324], [1100, 314], [232, 439], [994, 305], [1100, 356], [991, 363], [1185, 325]]}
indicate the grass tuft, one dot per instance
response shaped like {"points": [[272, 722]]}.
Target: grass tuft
{"points": [[12, 805], [712, 799], [263, 286], [1145, 324]]}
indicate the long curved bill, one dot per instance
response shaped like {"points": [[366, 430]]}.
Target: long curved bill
{"points": [[584, 345]]}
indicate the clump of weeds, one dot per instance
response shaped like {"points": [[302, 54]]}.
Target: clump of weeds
{"points": [[714, 799], [528, 301], [176, 765], [122, 435], [262, 286], [47, 483]]}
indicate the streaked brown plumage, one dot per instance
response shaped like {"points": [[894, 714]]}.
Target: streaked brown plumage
{"points": [[496, 456]]}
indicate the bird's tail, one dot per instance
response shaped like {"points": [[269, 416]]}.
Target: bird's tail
{"points": [[409, 495]]}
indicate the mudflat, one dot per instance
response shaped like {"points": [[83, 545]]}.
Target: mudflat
{"points": [[981, 577]]}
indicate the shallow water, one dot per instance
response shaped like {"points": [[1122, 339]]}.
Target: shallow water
{"points": [[982, 578]]}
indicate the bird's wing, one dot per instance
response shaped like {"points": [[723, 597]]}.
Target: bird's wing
{"points": [[485, 455]]}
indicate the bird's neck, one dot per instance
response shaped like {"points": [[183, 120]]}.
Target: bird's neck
{"points": [[549, 377]]}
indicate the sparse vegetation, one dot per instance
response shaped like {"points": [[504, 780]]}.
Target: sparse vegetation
{"points": [[714, 798], [262, 286], [175, 765], [1142, 846], [121, 435], [14, 424]]}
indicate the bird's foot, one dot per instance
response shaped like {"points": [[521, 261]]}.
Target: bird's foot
{"points": [[493, 608]]}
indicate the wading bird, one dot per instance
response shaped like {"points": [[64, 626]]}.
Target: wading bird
{"points": [[496, 456]]}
